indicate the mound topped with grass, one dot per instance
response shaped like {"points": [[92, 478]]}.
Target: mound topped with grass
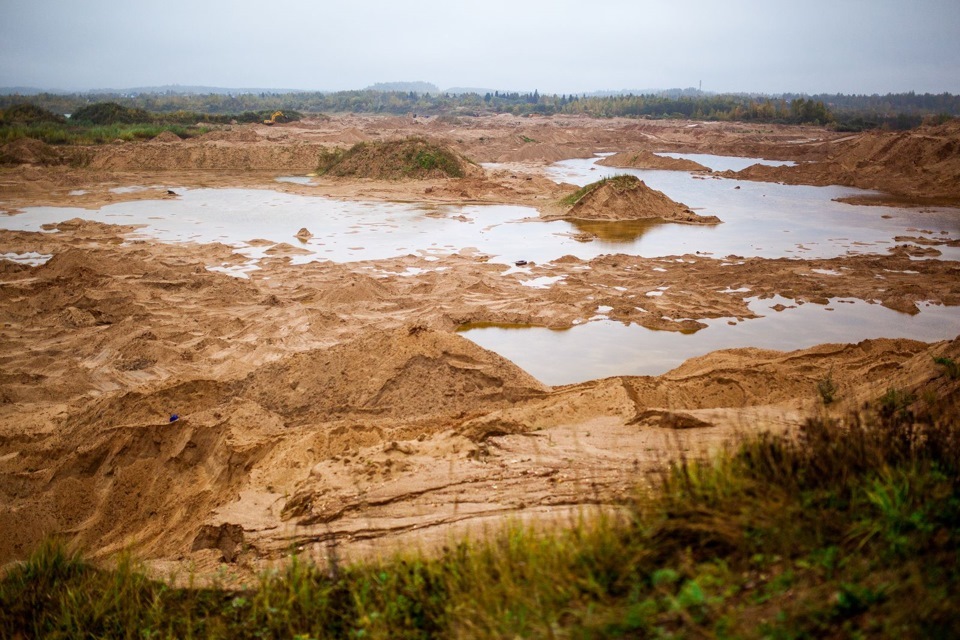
{"points": [[628, 198], [406, 158]]}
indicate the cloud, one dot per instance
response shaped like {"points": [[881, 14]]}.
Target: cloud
{"points": [[560, 46]]}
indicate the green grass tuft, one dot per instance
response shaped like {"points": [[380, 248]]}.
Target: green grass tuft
{"points": [[950, 367], [406, 158], [621, 183], [827, 389]]}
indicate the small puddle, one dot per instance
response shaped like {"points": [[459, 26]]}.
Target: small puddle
{"points": [[605, 348], [131, 189], [295, 179], [31, 258], [726, 163]]}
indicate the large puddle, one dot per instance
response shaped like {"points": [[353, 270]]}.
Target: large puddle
{"points": [[760, 219], [606, 348]]}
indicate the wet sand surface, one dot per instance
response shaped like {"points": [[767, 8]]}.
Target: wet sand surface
{"points": [[333, 402]]}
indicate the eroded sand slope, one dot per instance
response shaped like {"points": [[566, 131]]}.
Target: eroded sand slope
{"points": [[334, 403]]}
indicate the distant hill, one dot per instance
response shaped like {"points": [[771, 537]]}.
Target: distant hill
{"points": [[416, 87]]}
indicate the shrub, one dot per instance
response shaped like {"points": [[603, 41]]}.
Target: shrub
{"points": [[28, 114], [827, 389], [412, 157], [110, 113], [950, 366]]}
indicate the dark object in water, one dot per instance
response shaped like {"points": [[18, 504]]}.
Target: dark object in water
{"points": [[521, 263]]}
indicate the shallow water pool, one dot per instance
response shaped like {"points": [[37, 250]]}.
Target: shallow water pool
{"points": [[763, 219], [606, 348], [760, 219], [726, 163]]}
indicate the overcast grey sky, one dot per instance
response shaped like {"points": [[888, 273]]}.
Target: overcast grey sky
{"points": [[555, 46]]}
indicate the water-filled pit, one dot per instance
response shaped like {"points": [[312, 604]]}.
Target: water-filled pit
{"points": [[760, 219], [604, 348]]}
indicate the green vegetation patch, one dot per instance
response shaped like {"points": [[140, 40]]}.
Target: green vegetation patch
{"points": [[110, 113], [846, 528], [950, 367], [844, 112], [620, 183], [413, 157], [66, 134], [28, 114], [105, 122]]}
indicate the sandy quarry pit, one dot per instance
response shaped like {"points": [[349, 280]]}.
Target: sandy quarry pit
{"points": [[335, 404]]}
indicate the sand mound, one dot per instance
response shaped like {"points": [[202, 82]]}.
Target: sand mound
{"points": [[350, 135], [649, 160], [750, 376], [72, 264], [79, 227], [167, 136], [628, 198], [539, 152], [28, 151], [409, 372], [241, 134], [219, 155], [354, 288], [416, 158], [284, 249], [923, 163]]}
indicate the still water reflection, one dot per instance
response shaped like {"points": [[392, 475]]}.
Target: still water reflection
{"points": [[605, 348], [760, 219]]}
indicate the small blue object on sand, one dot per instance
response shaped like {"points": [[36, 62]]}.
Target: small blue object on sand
{"points": [[174, 417]]}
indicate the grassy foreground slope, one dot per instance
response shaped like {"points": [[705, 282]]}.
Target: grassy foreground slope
{"points": [[849, 528]]}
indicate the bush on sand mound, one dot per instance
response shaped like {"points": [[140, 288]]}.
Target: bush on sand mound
{"points": [[413, 157], [626, 197]]}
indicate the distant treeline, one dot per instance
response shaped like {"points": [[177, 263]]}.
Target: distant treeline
{"points": [[102, 122], [847, 112], [104, 113]]}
